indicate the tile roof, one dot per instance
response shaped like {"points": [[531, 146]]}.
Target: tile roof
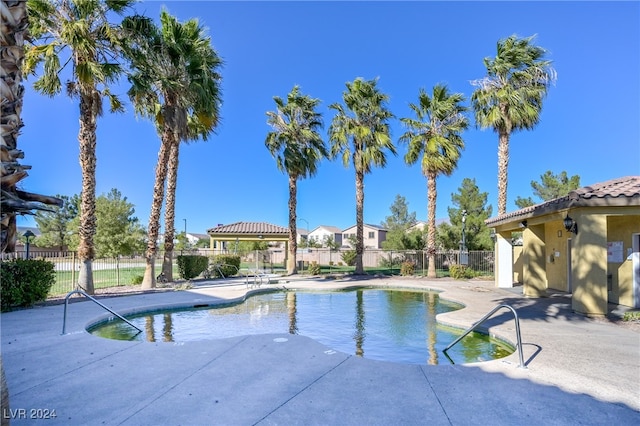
{"points": [[249, 228], [624, 191]]}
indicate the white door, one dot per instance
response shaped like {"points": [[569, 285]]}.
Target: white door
{"points": [[635, 258], [569, 276]]}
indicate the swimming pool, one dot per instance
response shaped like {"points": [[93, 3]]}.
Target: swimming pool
{"points": [[388, 325]]}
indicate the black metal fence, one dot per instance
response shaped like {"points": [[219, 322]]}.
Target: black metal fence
{"points": [[128, 270]]}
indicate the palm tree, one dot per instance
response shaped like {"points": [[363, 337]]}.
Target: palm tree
{"points": [[175, 82], [510, 97], [360, 133], [80, 30], [298, 148], [13, 201], [435, 135]]}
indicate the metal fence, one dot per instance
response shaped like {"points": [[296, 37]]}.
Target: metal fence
{"points": [[127, 270]]}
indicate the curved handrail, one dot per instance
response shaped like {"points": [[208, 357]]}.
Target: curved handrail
{"points": [[66, 303], [218, 265], [486, 317]]}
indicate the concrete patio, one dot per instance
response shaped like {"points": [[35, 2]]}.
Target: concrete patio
{"points": [[579, 370]]}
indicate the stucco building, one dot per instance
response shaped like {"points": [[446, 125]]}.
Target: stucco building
{"points": [[586, 243]]}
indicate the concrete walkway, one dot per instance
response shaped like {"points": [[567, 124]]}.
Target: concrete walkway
{"points": [[580, 370]]}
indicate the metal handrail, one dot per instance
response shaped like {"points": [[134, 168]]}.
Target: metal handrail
{"points": [[218, 265], [66, 303], [486, 317]]}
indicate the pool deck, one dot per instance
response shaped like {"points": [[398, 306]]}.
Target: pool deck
{"points": [[579, 370]]}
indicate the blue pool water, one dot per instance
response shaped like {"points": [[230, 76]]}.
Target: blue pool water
{"points": [[388, 325]]}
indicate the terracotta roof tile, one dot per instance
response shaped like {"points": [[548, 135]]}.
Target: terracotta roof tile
{"points": [[625, 189], [249, 228]]}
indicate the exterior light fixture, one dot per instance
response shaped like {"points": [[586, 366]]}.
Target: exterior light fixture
{"points": [[570, 225], [523, 224], [28, 234]]}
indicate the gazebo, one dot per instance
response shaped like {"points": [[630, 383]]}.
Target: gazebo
{"points": [[248, 231]]}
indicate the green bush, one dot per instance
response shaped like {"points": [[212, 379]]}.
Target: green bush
{"points": [[460, 272], [407, 268], [137, 279], [226, 263], [314, 268], [190, 266], [25, 282], [349, 257]]}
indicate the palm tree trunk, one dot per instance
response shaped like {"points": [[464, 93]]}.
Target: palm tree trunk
{"points": [[90, 107], [293, 231], [359, 221], [149, 280], [15, 25], [170, 211], [4, 389], [503, 165], [432, 194]]}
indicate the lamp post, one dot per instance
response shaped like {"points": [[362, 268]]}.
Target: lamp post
{"points": [[28, 234], [464, 256], [307, 240], [186, 240]]}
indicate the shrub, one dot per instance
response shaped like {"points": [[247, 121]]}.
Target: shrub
{"points": [[314, 268], [190, 266], [137, 279], [25, 282], [226, 263], [407, 268], [349, 257], [459, 272]]}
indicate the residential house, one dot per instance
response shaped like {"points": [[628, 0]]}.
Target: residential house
{"points": [[373, 236], [324, 233]]}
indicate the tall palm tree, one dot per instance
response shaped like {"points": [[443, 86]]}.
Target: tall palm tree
{"points": [[435, 135], [13, 201], [79, 29], [175, 82], [298, 148], [360, 133], [510, 97]]}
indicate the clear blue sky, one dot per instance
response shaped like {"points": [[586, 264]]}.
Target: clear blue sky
{"points": [[589, 125]]}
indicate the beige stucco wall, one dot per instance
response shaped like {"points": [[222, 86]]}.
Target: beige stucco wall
{"points": [[555, 237], [534, 262], [589, 263], [621, 228], [518, 264]]}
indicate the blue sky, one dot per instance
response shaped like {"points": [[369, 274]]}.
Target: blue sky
{"points": [[590, 122]]}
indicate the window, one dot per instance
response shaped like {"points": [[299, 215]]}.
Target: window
{"points": [[372, 235]]}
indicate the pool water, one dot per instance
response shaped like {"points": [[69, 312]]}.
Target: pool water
{"points": [[387, 325]]}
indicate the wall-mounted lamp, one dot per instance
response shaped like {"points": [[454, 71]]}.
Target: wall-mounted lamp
{"points": [[492, 234], [570, 225], [523, 224]]}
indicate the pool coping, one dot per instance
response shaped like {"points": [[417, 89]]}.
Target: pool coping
{"points": [[571, 377]]}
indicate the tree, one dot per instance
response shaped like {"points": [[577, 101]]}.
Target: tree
{"points": [[54, 225], [359, 133], [397, 225], [175, 82], [15, 30], [434, 136], [550, 187], [477, 235], [298, 149], [118, 231], [82, 31], [510, 97]]}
